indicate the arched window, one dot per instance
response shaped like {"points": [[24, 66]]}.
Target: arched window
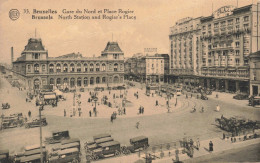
{"points": [[51, 68], [36, 68], [65, 80], [29, 68], [97, 80], [51, 81], [78, 67], [121, 66], [103, 67], [115, 67], [72, 82], [104, 80], [65, 68], [86, 67], [58, 82], [72, 68], [91, 80], [116, 79], [91, 68], [58, 68], [97, 67], [85, 81], [43, 68], [79, 82]]}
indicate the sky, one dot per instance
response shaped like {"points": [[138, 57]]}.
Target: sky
{"points": [[89, 37]]}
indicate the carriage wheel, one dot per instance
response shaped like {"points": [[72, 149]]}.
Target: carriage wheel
{"points": [[127, 152], [27, 126], [96, 158], [117, 153]]}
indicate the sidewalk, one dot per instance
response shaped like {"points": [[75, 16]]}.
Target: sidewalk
{"points": [[219, 146]]}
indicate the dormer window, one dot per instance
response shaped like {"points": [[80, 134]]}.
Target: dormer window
{"points": [[36, 55], [115, 56]]}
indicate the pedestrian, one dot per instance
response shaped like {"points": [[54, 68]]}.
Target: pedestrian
{"points": [[137, 125], [90, 113], [210, 146], [140, 110], [198, 143], [190, 95], [124, 110], [64, 113], [79, 113], [224, 136], [29, 114], [191, 143], [112, 118]]}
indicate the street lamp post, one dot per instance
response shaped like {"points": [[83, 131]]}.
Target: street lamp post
{"points": [[40, 109]]}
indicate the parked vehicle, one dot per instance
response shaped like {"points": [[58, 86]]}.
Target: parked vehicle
{"points": [[12, 121], [99, 136], [99, 89], [4, 156], [5, 106], [57, 136], [36, 122], [103, 140], [66, 155], [241, 97], [32, 159], [106, 149], [136, 144], [70, 143]]}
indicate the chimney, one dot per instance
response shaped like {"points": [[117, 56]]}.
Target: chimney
{"points": [[12, 55]]}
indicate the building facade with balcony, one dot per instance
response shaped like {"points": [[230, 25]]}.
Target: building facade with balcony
{"points": [[36, 69], [184, 51], [225, 39], [228, 36]]}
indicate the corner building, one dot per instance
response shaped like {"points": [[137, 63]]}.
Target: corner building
{"points": [[36, 69], [226, 38]]}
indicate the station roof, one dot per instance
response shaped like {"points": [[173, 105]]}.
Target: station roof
{"points": [[112, 47], [34, 44]]}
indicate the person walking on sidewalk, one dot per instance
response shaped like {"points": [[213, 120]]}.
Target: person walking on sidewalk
{"points": [[210, 146]]}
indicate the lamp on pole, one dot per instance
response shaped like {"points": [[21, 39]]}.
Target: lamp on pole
{"points": [[40, 115]]}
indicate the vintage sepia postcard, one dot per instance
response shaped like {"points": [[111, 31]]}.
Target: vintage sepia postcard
{"points": [[129, 81]]}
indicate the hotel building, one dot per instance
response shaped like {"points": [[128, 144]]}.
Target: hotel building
{"points": [[225, 40]]}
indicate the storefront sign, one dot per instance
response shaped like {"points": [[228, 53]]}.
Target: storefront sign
{"points": [[223, 11]]}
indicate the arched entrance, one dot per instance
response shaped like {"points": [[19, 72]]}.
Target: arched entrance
{"points": [[72, 82], [116, 79], [37, 84]]}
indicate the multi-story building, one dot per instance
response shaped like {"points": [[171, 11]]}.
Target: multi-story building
{"points": [[254, 63], [184, 50], [148, 69], [227, 38], [35, 68], [156, 68], [224, 41]]}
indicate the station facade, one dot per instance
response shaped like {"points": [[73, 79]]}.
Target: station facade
{"points": [[36, 69]]}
